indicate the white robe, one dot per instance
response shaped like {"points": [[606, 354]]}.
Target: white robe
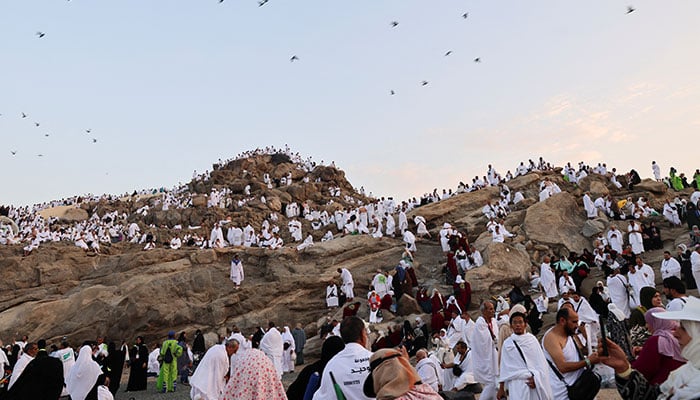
{"points": [[237, 274], [615, 240], [548, 280], [67, 357], [617, 285], [515, 371], [287, 361], [591, 211], [272, 345], [331, 296], [83, 375], [209, 379], [20, 365], [670, 267], [635, 238], [484, 354], [348, 283]]}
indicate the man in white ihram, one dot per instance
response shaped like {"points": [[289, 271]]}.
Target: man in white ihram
{"points": [[348, 283], [484, 352], [209, 379], [524, 369]]}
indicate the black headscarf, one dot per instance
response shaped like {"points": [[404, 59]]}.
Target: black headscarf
{"points": [[331, 346]]}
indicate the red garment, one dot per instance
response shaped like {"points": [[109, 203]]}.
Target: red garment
{"points": [[452, 307], [351, 309], [387, 301], [437, 321], [374, 302], [452, 264], [463, 294], [437, 303], [654, 366], [412, 273]]}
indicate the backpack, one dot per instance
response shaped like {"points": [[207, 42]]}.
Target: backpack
{"points": [[168, 357]]}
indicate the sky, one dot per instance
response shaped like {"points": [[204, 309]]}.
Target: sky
{"points": [[170, 86]]}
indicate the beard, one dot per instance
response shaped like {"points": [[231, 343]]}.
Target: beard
{"points": [[570, 331]]}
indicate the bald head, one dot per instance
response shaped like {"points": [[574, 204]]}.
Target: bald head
{"points": [[421, 354]]}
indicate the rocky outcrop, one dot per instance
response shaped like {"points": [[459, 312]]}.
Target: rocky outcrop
{"points": [[557, 223]]}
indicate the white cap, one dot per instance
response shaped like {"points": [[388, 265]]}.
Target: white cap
{"points": [[690, 312]]}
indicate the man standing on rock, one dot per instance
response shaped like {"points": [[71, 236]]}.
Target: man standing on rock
{"points": [[548, 279], [348, 283], [169, 353], [237, 275]]}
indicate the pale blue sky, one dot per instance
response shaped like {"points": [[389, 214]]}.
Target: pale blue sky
{"points": [[168, 87]]}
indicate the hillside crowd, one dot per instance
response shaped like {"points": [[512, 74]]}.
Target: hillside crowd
{"points": [[653, 349]]}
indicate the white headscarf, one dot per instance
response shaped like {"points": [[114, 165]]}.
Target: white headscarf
{"points": [[83, 375], [684, 382]]}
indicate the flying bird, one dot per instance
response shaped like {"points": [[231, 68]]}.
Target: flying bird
{"points": [[88, 131], [39, 155], [262, 3], [24, 115], [47, 135], [392, 92], [14, 152], [630, 9], [94, 140], [36, 124], [448, 53], [465, 15], [394, 24], [477, 60], [294, 58], [424, 83], [40, 34]]}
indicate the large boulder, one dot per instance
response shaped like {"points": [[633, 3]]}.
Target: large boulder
{"points": [[593, 226], [74, 214], [408, 305], [505, 265], [652, 186], [557, 222]]}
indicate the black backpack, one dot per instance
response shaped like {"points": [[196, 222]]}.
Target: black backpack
{"points": [[168, 357]]}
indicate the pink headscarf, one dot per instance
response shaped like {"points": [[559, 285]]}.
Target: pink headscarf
{"points": [[663, 328]]}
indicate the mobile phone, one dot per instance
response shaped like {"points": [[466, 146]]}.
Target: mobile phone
{"points": [[603, 335]]}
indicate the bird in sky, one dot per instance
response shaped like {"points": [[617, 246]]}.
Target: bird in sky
{"points": [[94, 140], [88, 131], [392, 92], [24, 115], [37, 124], [394, 24], [39, 155], [630, 9], [221, 1], [448, 53], [14, 152], [40, 34], [262, 3], [424, 83], [46, 134], [477, 60], [465, 15], [294, 58]]}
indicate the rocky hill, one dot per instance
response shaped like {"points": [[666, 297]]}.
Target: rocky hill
{"points": [[59, 290]]}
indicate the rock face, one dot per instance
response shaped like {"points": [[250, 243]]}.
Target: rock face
{"points": [[557, 222], [60, 291]]}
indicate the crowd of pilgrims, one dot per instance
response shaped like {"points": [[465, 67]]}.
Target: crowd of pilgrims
{"points": [[456, 353]]}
